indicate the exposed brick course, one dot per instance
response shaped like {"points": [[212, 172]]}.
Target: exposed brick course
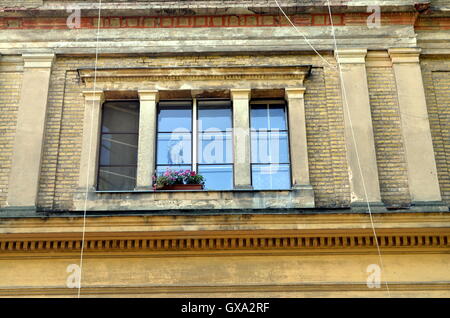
{"points": [[10, 84], [436, 77], [392, 169]]}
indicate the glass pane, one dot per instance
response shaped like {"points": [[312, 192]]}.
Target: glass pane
{"points": [[120, 117], [265, 177], [268, 117], [119, 149], [215, 148], [217, 177], [175, 118], [174, 149], [270, 147], [161, 169], [214, 118], [116, 178]]}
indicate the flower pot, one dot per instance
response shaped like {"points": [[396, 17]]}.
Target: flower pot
{"points": [[182, 187]]}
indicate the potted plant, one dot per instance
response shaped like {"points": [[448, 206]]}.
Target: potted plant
{"points": [[178, 180]]}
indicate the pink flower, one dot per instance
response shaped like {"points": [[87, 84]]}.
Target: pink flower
{"points": [[193, 173]]}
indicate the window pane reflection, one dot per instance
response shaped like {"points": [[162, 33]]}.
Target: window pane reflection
{"points": [[268, 117], [214, 118], [174, 149], [217, 177], [215, 148], [270, 147], [175, 118], [272, 177]]}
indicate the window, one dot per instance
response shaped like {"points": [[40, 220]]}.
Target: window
{"points": [[208, 151], [119, 146], [215, 150], [270, 145], [195, 135], [174, 137]]}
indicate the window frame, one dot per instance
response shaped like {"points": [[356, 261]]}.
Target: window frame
{"points": [[231, 136], [165, 132], [101, 133], [273, 101]]}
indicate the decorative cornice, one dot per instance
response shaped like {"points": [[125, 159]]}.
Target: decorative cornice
{"points": [[124, 21], [251, 241], [180, 234], [206, 73]]}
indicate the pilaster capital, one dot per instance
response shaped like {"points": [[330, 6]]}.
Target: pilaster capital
{"points": [[351, 56], [149, 95], [294, 93], [94, 96], [404, 55], [38, 60], [242, 93]]}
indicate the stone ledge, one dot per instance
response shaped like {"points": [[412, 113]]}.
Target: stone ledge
{"points": [[193, 200]]}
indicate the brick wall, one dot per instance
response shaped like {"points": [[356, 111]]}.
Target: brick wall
{"points": [[436, 77], [326, 144], [324, 115], [10, 83], [392, 169]]}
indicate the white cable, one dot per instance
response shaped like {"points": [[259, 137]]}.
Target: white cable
{"points": [[90, 146], [356, 148], [304, 37]]}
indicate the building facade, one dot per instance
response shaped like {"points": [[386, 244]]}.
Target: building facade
{"points": [[323, 131]]}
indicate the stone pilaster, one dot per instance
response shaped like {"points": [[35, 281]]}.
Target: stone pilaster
{"points": [[422, 173], [28, 144], [361, 155], [297, 138], [93, 101], [241, 138], [147, 139]]}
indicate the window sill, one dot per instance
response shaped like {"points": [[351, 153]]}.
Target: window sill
{"points": [[204, 190], [148, 200]]}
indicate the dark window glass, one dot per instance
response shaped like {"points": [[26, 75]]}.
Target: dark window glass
{"points": [[270, 146], [117, 178], [118, 149], [119, 146], [120, 117]]}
